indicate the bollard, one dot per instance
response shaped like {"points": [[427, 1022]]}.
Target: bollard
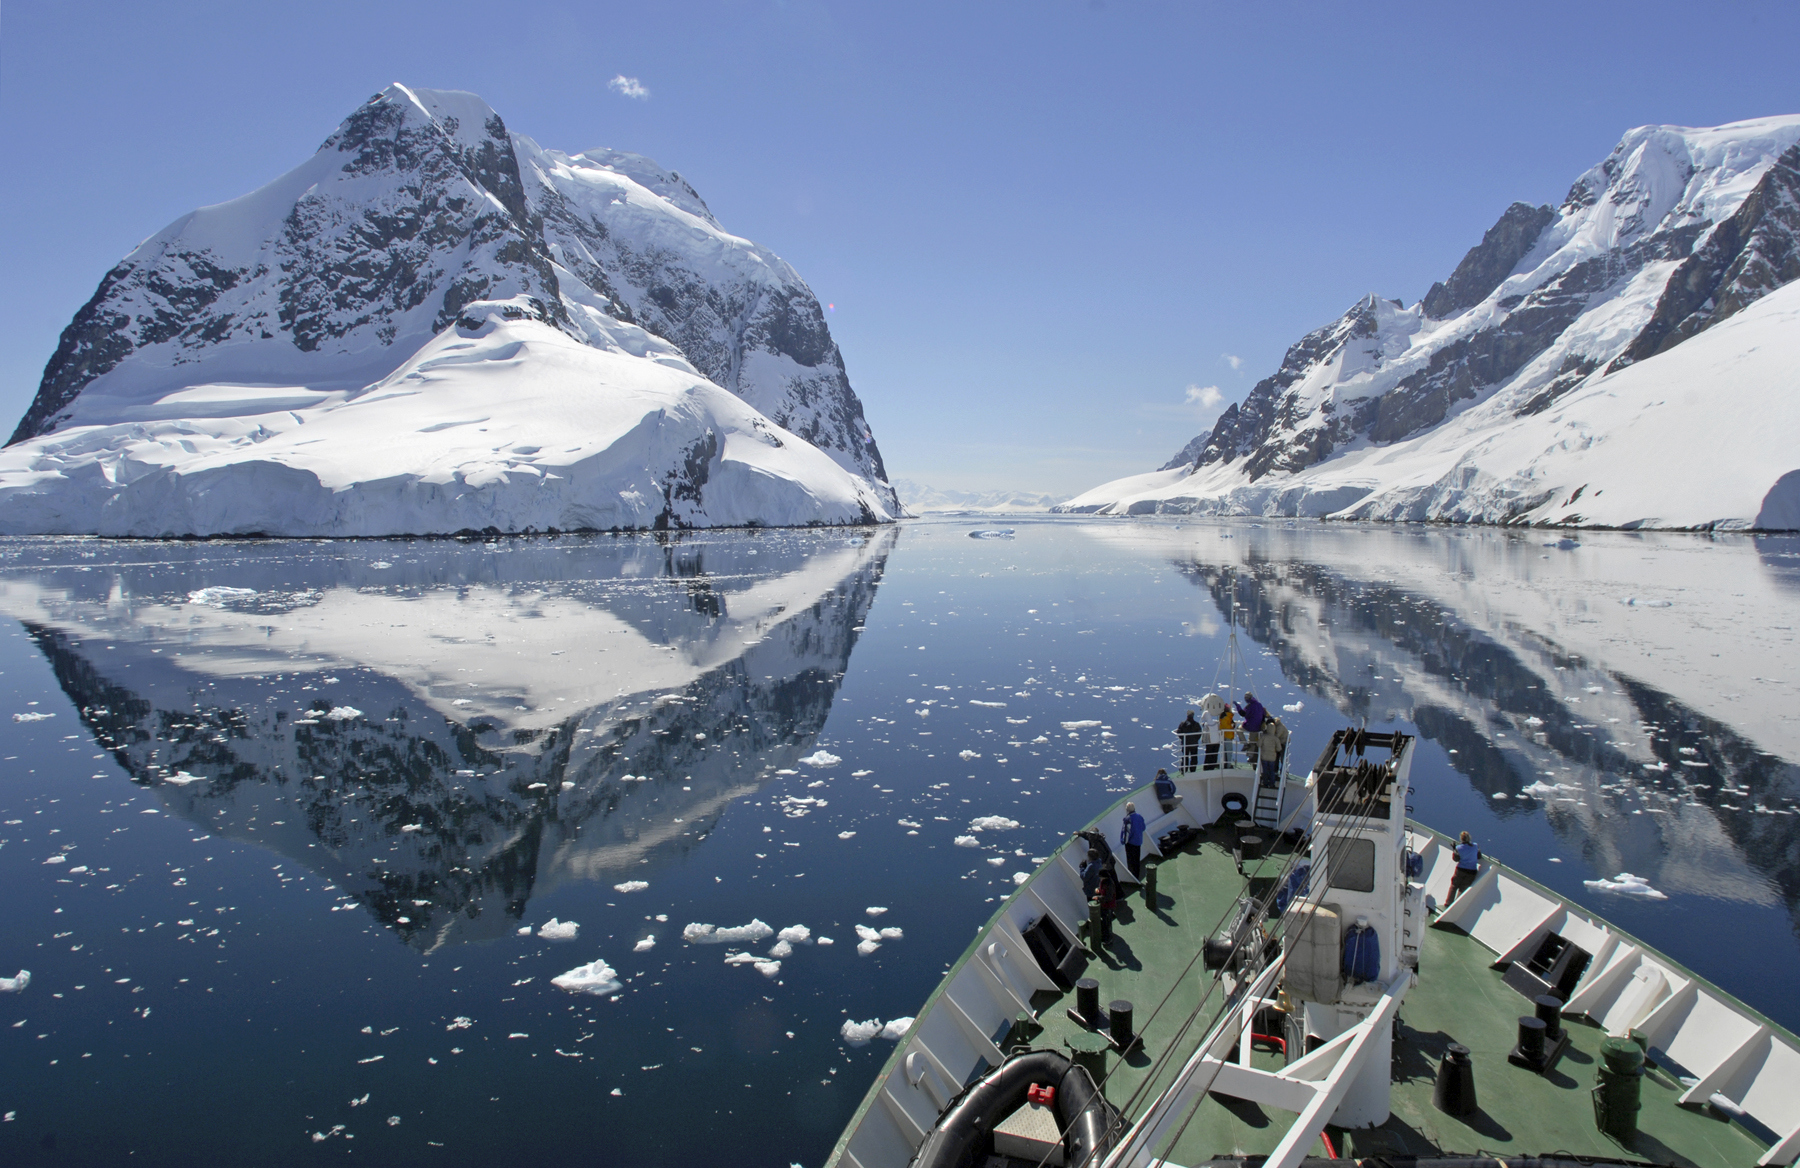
{"points": [[1150, 885], [1118, 1020], [1549, 1012], [1087, 1001], [1454, 1091], [1619, 1083]]}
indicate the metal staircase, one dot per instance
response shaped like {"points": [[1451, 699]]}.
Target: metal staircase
{"points": [[1266, 812]]}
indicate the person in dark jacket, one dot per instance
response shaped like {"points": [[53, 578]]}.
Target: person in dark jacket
{"points": [[1189, 735], [1165, 791], [1468, 866], [1091, 872], [1131, 834]]}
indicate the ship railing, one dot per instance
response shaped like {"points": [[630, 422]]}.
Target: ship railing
{"points": [[1202, 756], [1727, 1055]]}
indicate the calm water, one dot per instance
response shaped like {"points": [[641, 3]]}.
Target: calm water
{"points": [[283, 821]]}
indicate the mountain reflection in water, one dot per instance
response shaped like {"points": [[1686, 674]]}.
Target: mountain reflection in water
{"points": [[1615, 686], [443, 729]]}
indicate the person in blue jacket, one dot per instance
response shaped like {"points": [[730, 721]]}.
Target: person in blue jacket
{"points": [[1468, 864], [1131, 834], [1165, 790]]}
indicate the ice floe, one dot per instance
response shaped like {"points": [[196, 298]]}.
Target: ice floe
{"points": [[1021, 877], [645, 945], [631, 886], [16, 983], [875, 910], [31, 716], [967, 841], [219, 596], [795, 935], [596, 977], [821, 758], [342, 713], [555, 930], [1086, 724], [698, 934], [845, 834], [969, 754], [460, 1023], [993, 823], [1628, 885], [991, 705], [862, 1033]]}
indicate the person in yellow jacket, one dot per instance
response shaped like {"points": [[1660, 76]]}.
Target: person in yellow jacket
{"points": [[1227, 733]]}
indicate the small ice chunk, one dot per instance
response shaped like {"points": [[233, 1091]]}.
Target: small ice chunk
{"points": [[768, 968], [1499, 795], [16, 983], [896, 1029], [1628, 885], [795, 935], [182, 778], [866, 947], [596, 977], [631, 886], [645, 945], [525, 932], [31, 716], [821, 758], [460, 1022], [57, 860], [997, 861], [1085, 724], [846, 835], [1021, 877], [992, 705], [616, 1091], [393, 1121], [875, 910], [412, 827], [781, 949], [868, 933], [967, 841], [824, 941], [968, 755], [342, 713], [993, 823], [892, 933], [1294, 707], [860, 1033], [698, 934], [555, 930], [860, 774], [218, 596]]}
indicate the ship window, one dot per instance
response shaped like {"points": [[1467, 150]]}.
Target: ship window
{"points": [[1351, 863]]}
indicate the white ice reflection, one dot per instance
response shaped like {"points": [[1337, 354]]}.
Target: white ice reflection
{"points": [[446, 738]]}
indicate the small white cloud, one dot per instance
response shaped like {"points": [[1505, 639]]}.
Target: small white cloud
{"points": [[1232, 359], [629, 87], [1207, 397]]}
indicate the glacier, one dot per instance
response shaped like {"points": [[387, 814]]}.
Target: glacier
{"points": [[436, 326], [1627, 359]]}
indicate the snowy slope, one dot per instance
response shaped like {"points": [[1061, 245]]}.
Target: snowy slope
{"points": [[921, 499], [452, 316], [1504, 391]]}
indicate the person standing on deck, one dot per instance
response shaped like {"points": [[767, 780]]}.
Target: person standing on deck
{"points": [[1468, 863], [1211, 706], [1270, 745], [1188, 733], [1131, 834], [1227, 734]]}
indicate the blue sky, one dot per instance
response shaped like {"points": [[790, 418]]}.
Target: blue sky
{"points": [[1047, 228]]}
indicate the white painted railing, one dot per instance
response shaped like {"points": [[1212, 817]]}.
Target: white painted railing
{"points": [[1691, 1028]]}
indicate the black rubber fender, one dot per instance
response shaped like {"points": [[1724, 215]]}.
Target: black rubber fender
{"points": [[964, 1134]]}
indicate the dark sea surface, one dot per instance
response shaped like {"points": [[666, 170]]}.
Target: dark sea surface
{"points": [[283, 821]]}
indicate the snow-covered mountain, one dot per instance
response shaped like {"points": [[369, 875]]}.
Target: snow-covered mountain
{"points": [[921, 499], [1575, 358], [435, 324]]}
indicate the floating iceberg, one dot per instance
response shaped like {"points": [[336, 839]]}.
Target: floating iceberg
{"points": [[795, 935], [821, 758], [645, 945], [596, 977], [555, 930], [12, 985], [697, 934], [993, 823], [631, 886], [1628, 885]]}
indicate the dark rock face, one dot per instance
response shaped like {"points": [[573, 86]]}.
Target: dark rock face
{"points": [[1750, 254], [1489, 262]]}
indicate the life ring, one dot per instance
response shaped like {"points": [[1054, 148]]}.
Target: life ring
{"points": [[964, 1135]]}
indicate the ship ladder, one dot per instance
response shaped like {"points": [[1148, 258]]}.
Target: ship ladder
{"points": [[1267, 810]]}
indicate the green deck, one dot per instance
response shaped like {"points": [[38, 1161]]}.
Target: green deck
{"points": [[1459, 998]]}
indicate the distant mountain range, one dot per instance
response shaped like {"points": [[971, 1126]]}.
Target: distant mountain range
{"points": [[920, 499], [1630, 358], [434, 324]]}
